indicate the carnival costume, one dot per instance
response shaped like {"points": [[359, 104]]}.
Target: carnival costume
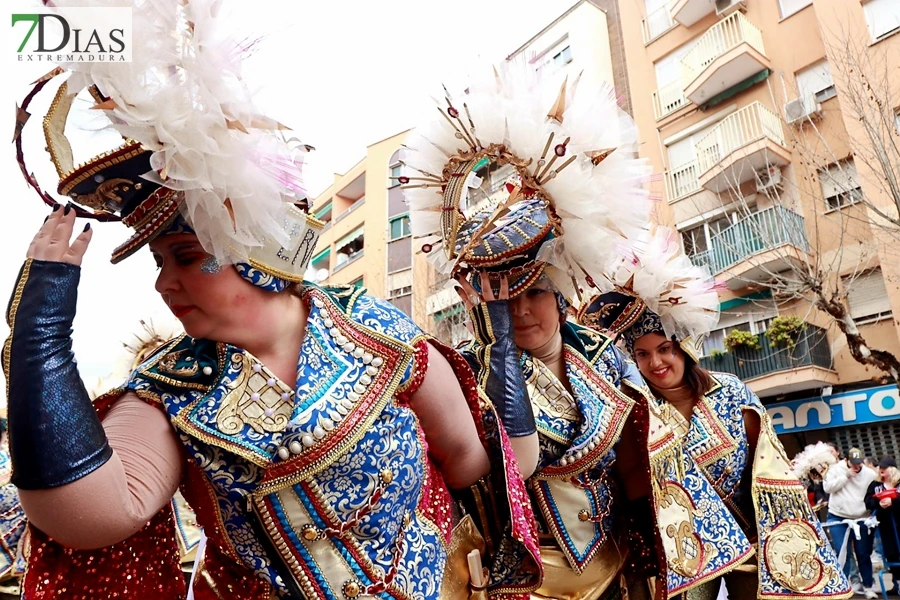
{"points": [[658, 290], [573, 195], [319, 488], [12, 517]]}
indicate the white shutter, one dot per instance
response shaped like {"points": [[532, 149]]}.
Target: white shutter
{"points": [[789, 7], [867, 295], [882, 16], [839, 178], [681, 153], [814, 79], [400, 279]]}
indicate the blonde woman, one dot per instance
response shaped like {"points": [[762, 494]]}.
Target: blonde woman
{"points": [[883, 499]]}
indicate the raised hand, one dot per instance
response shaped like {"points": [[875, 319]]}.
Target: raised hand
{"points": [[471, 298], [52, 244]]}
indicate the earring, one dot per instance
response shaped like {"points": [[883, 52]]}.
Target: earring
{"points": [[210, 265]]}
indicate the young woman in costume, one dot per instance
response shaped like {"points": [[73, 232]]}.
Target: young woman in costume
{"points": [[318, 433], [519, 192], [662, 304]]}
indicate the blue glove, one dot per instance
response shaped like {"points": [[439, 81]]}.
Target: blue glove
{"points": [[498, 370], [55, 435]]}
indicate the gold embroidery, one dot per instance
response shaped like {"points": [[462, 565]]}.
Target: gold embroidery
{"points": [[11, 319], [549, 395], [686, 553], [169, 364], [791, 555], [256, 398]]}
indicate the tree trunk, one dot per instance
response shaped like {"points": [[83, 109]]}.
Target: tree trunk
{"points": [[859, 349]]}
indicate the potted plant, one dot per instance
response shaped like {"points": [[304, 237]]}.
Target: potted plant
{"points": [[741, 339], [785, 331]]}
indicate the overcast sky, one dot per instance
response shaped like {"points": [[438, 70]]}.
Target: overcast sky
{"points": [[343, 74]]}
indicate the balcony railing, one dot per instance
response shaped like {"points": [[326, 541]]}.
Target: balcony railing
{"points": [[811, 350], [749, 124], [668, 99], [657, 23], [728, 33], [683, 181], [757, 233]]}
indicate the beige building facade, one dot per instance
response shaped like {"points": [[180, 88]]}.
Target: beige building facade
{"points": [[749, 113], [366, 241]]}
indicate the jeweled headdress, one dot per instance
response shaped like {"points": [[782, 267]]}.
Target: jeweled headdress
{"points": [[195, 147], [657, 290], [519, 177]]}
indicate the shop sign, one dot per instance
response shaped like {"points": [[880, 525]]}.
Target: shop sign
{"points": [[838, 410]]}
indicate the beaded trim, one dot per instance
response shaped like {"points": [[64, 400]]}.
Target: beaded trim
{"points": [[153, 215], [125, 152]]}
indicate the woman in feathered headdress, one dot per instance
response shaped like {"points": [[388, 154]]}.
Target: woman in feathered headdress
{"points": [[317, 432], [661, 307], [518, 191]]}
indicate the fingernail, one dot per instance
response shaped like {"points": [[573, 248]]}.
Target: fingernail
{"points": [[87, 226], [57, 207], [67, 210]]}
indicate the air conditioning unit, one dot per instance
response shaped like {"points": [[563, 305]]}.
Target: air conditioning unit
{"points": [[797, 110], [768, 179], [726, 7]]}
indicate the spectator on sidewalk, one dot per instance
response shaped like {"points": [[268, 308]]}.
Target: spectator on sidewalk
{"points": [[847, 483], [883, 500]]}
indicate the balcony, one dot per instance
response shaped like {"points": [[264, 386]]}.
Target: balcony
{"points": [[668, 99], [780, 370], [768, 241], [683, 181], [688, 12], [743, 143], [657, 23], [726, 55]]}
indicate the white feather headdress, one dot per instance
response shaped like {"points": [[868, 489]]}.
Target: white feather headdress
{"points": [[814, 457], [572, 146], [183, 97], [682, 294]]}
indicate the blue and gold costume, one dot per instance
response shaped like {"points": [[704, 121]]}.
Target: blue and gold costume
{"points": [[712, 459], [334, 470]]}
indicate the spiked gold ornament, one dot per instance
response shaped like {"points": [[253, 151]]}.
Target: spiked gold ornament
{"points": [[559, 107]]}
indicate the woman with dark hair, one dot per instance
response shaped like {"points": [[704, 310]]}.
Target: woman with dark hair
{"points": [[661, 304], [566, 185]]}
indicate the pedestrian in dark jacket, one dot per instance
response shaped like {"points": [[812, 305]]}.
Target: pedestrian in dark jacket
{"points": [[883, 499]]}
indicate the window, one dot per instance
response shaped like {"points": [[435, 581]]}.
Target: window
{"points": [[399, 227], [396, 171], [867, 296], [840, 184], [323, 213], [695, 241], [349, 247], [658, 20], [358, 282], [556, 56], [563, 57], [816, 81], [403, 291], [669, 95], [752, 316], [883, 17], [789, 7]]}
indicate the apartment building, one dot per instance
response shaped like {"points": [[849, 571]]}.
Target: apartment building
{"points": [[749, 111], [366, 241]]}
